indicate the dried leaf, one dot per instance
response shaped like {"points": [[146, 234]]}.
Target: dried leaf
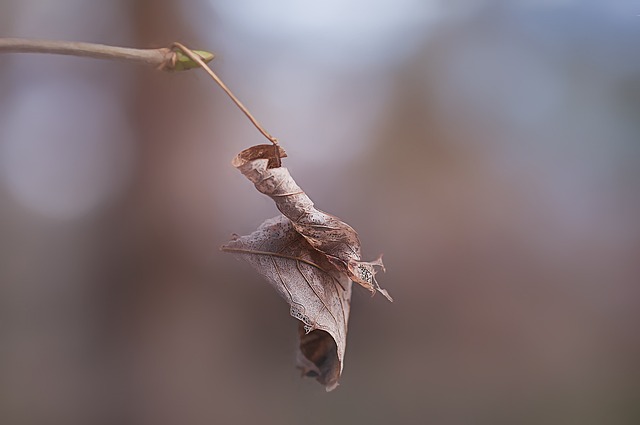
{"points": [[325, 232], [310, 257], [317, 293]]}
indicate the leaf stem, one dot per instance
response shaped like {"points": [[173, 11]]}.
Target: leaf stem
{"points": [[164, 58], [235, 100]]}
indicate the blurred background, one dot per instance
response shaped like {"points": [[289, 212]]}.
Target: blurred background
{"points": [[490, 149]]}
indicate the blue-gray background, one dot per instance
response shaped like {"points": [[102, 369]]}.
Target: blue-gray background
{"points": [[490, 149]]}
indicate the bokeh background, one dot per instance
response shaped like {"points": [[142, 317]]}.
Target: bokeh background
{"points": [[490, 149]]}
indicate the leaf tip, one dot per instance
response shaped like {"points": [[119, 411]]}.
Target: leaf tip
{"points": [[319, 357], [364, 273], [385, 293], [378, 262], [332, 387]]}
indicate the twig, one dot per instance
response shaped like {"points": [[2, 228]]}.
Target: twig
{"points": [[164, 58], [177, 57], [235, 100]]}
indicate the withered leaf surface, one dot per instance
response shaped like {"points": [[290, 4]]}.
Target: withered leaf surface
{"points": [[324, 232], [318, 295], [310, 257]]}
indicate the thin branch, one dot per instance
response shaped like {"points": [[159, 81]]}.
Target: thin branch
{"points": [[176, 57], [164, 58], [235, 100]]}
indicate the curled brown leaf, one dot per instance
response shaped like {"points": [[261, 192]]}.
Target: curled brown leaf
{"points": [[310, 257], [325, 232]]}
